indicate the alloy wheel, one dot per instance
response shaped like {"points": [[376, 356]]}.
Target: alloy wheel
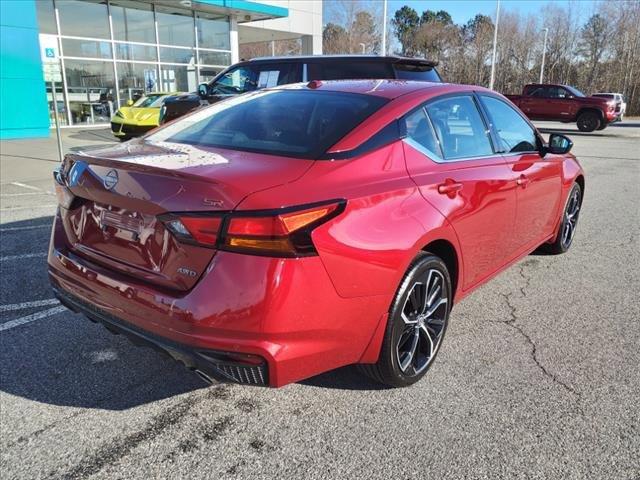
{"points": [[571, 218], [424, 315]]}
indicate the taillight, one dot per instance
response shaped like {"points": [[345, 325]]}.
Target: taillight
{"points": [[280, 233]]}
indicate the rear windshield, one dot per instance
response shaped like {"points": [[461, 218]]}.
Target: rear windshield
{"points": [[294, 123], [421, 73]]}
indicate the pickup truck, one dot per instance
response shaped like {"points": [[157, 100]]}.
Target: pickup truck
{"points": [[272, 71], [566, 104]]}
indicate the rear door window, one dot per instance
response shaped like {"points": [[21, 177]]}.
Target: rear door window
{"points": [[349, 70], [459, 127], [420, 131], [274, 74]]}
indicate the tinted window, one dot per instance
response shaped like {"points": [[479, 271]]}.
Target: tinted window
{"points": [[248, 78], [515, 134], [575, 92], [296, 123], [419, 130], [558, 92], [344, 70], [416, 72], [459, 127], [540, 92]]}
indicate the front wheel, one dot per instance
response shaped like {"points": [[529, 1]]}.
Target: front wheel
{"points": [[417, 323], [568, 223], [588, 122]]}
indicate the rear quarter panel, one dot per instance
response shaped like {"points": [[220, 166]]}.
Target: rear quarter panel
{"points": [[368, 248]]}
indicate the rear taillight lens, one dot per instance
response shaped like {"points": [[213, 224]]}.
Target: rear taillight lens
{"points": [[285, 232]]}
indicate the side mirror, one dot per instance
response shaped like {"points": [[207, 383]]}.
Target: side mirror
{"points": [[129, 103], [559, 144], [203, 90]]}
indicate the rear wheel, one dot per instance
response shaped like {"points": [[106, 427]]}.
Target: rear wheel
{"points": [[568, 223], [588, 122], [417, 323]]}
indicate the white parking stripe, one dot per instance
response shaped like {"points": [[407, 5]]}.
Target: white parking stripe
{"points": [[25, 194], [23, 305], [31, 227], [20, 257], [31, 318], [28, 187], [48, 205]]}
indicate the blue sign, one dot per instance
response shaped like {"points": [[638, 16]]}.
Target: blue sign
{"points": [[49, 53]]}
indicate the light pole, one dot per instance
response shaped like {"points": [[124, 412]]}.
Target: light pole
{"points": [[364, 46], [495, 45], [384, 27], [544, 53]]}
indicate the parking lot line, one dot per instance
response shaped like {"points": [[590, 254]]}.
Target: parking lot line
{"points": [[28, 187], [30, 227], [23, 305], [32, 207], [26, 194], [20, 257], [31, 318]]}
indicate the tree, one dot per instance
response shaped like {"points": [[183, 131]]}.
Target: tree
{"points": [[364, 30], [405, 22], [334, 39], [594, 41], [440, 16]]}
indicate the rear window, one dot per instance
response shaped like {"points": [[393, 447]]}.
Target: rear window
{"points": [[294, 123], [421, 73], [349, 70]]}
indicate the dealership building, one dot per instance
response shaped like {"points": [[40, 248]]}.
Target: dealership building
{"points": [[99, 54]]}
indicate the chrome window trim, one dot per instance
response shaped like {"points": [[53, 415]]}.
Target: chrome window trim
{"points": [[435, 158]]}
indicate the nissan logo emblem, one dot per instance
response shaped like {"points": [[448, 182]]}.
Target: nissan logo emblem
{"points": [[110, 179]]}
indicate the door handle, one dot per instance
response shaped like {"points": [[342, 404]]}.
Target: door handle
{"points": [[523, 181], [449, 187]]}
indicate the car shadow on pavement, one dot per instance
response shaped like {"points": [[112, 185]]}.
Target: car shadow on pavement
{"points": [[345, 378], [53, 356]]}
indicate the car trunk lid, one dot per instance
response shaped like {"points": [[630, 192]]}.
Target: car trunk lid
{"points": [[111, 201]]}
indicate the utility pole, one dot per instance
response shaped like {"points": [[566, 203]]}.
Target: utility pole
{"points": [[495, 46], [544, 53], [384, 27]]}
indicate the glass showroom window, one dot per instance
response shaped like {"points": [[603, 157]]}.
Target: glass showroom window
{"points": [[178, 78], [213, 31], [90, 91], [83, 18], [132, 21], [136, 79], [175, 27], [107, 63]]}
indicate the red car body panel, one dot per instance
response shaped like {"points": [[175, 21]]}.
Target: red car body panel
{"points": [[306, 315]]}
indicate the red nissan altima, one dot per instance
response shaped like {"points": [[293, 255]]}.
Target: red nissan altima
{"points": [[287, 232]]}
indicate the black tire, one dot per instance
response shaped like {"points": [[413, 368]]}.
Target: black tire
{"points": [[124, 139], [602, 126], [570, 213], [588, 121], [426, 277]]}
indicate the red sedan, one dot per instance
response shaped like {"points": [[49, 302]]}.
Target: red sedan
{"points": [[291, 231]]}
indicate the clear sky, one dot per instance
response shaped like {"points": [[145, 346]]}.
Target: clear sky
{"points": [[463, 10]]}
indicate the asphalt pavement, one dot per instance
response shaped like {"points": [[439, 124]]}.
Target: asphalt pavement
{"points": [[538, 376]]}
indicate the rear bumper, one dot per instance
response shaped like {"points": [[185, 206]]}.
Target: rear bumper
{"points": [[209, 364], [285, 311]]}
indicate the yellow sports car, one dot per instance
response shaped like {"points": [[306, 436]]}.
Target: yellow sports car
{"points": [[138, 118]]}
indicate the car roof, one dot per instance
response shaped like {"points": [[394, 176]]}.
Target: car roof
{"points": [[389, 89], [351, 58]]}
